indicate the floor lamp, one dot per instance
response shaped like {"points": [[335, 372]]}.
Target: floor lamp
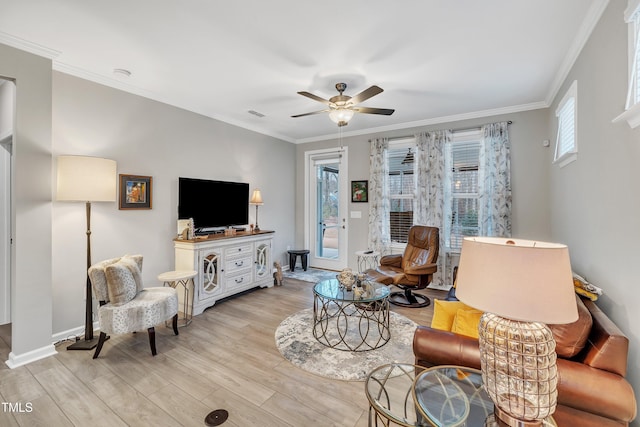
{"points": [[256, 199], [86, 179], [521, 285]]}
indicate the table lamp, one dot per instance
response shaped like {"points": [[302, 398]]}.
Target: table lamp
{"points": [[256, 199], [520, 285], [86, 179]]}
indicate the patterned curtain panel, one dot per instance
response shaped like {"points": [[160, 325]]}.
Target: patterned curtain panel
{"points": [[430, 186], [379, 205], [495, 181]]}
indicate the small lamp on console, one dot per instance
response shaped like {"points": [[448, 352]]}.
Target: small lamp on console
{"points": [[86, 179], [520, 285], [256, 199]]}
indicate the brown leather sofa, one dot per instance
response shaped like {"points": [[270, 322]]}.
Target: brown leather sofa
{"points": [[592, 389]]}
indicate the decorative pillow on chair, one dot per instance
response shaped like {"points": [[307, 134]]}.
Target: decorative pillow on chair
{"points": [[122, 280], [136, 275]]}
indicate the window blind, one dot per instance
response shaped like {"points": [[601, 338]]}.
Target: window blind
{"points": [[401, 163], [463, 182], [566, 128]]}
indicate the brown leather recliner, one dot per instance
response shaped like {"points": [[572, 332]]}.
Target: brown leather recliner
{"points": [[413, 269]]}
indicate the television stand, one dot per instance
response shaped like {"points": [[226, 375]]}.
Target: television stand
{"points": [[226, 265]]}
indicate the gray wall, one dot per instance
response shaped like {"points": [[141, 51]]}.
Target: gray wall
{"points": [[150, 138], [529, 167], [31, 209], [594, 200]]}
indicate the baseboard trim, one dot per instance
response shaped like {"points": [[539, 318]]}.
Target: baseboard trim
{"points": [[73, 332], [16, 360]]}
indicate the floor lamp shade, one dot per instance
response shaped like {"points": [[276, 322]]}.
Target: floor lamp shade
{"points": [[86, 179], [521, 286]]}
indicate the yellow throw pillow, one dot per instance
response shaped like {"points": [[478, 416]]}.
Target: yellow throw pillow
{"points": [[466, 322], [444, 312]]}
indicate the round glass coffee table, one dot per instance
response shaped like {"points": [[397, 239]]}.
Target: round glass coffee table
{"points": [[351, 320]]}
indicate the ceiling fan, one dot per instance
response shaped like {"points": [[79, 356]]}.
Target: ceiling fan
{"points": [[342, 107]]}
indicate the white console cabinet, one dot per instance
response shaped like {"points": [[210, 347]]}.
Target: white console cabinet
{"points": [[226, 265]]}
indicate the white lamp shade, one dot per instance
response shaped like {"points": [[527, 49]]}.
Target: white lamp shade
{"points": [[86, 179], [341, 115], [256, 198], [518, 279]]}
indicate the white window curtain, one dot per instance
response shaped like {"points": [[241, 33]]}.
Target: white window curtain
{"points": [[495, 181], [379, 206], [429, 190]]}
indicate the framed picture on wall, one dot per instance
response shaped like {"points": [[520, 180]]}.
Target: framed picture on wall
{"points": [[359, 191], [135, 192]]}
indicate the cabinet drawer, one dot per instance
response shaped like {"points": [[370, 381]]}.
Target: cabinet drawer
{"points": [[237, 251], [238, 264], [238, 280]]}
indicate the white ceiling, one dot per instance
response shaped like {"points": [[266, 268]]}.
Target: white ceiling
{"points": [[436, 60]]}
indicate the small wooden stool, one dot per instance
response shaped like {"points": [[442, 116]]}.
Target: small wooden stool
{"points": [[184, 278], [293, 256]]}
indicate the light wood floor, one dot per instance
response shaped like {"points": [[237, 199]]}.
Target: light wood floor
{"points": [[226, 358]]}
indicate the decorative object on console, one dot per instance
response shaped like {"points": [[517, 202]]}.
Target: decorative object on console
{"points": [[256, 199], [86, 179], [517, 348], [135, 192]]}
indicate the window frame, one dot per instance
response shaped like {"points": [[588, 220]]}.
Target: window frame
{"points": [[459, 138], [401, 144], [570, 155]]}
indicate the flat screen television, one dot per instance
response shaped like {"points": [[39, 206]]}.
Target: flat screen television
{"points": [[213, 204]]}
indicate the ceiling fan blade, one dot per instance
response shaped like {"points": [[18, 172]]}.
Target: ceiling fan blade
{"points": [[310, 114], [365, 94], [315, 97], [367, 110]]}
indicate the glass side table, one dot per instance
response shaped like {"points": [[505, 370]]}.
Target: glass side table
{"points": [[389, 391], [453, 396]]}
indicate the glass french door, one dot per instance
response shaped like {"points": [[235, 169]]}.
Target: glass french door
{"points": [[327, 204]]}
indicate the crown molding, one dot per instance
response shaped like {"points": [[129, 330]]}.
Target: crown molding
{"points": [[432, 121], [28, 46], [591, 19]]}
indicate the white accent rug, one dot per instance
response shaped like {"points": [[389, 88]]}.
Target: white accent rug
{"points": [[295, 341]]}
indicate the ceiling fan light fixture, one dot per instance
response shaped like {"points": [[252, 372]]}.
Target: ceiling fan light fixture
{"points": [[341, 116]]}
